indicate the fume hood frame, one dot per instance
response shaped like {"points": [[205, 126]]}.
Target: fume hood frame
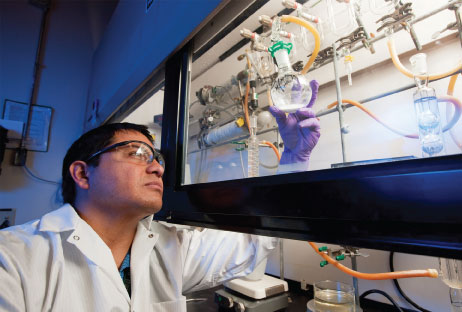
{"points": [[411, 206]]}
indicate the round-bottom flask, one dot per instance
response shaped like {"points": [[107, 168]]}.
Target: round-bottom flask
{"points": [[290, 91]]}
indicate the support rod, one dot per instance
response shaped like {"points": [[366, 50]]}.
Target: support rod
{"points": [[339, 102]]}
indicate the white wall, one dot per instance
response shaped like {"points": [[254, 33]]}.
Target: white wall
{"points": [[63, 86]]}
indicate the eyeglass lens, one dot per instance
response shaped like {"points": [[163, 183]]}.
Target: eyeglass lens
{"points": [[141, 153]]}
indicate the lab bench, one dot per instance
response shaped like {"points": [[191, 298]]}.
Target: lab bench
{"points": [[204, 301]]}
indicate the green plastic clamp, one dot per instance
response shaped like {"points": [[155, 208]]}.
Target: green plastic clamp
{"points": [[340, 257], [323, 263], [280, 45], [240, 146], [323, 248]]}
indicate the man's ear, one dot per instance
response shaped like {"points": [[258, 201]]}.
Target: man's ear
{"points": [[79, 172]]}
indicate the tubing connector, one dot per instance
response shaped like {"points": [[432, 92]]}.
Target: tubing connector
{"points": [[291, 4], [286, 34], [246, 33], [259, 47], [265, 20]]}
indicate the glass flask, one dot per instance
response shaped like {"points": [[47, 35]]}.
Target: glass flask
{"points": [[426, 108], [262, 63], [382, 7], [341, 17], [304, 37], [290, 91], [451, 272], [330, 296]]}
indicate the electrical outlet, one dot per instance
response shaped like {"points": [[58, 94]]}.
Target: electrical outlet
{"points": [[7, 216]]}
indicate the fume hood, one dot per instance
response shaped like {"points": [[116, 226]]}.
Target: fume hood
{"points": [[386, 170]]}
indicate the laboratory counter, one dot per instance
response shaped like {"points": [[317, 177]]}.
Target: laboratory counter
{"points": [[204, 301]]}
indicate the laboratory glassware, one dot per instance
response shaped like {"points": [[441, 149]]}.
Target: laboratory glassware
{"points": [[426, 108], [290, 91], [341, 17], [334, 296], [455, 294], [253, 150]]}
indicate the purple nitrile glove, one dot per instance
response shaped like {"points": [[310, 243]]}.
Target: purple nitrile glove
{"points": [[300, 131]]}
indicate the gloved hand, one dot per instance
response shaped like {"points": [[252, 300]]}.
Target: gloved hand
{"points": [[300, 131]]}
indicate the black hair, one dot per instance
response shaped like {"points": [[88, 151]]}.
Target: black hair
{"points": [[88, 144]]}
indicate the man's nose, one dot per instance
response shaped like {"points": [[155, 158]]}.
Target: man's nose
{"points": [[156, 169]]}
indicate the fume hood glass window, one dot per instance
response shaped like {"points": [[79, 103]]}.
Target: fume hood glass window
{"points": [[397, 66], [149, 113]]}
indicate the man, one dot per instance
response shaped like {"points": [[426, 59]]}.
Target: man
{"points": [[101, 251], [76, 258]]}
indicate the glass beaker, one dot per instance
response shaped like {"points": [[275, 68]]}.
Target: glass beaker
{"points": [[330, 296], [456, 299], [451, 272]]}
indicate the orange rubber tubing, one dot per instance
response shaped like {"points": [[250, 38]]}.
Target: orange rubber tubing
{"points": [[406, 72], [458, 110], [314, 32], [247, 90], [268, 95], [361, 107], [457, 113], [376, 276], [278, 155], [450, 92], [246, 105], [452, 84]]}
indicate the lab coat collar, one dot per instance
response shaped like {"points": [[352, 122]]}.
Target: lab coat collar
{"points": [[60, 220], [67, 219]]}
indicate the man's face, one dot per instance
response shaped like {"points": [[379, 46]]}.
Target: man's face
{"points": [[123, 185]]}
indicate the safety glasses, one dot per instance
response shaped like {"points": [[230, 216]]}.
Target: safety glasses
{"points": [[136, 151]]}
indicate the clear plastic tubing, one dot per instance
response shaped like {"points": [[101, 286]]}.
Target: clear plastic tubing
{"points": [[426, 108], [253, 150]]}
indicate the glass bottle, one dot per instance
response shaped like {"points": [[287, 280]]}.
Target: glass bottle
{"points": [[426, 108]]}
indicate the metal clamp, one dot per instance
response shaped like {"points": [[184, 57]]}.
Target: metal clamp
{"points": [[348, 42], [323, 56], [402, 14]]}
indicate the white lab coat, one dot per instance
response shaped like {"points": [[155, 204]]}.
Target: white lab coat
{"points": [[59, 263]]}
